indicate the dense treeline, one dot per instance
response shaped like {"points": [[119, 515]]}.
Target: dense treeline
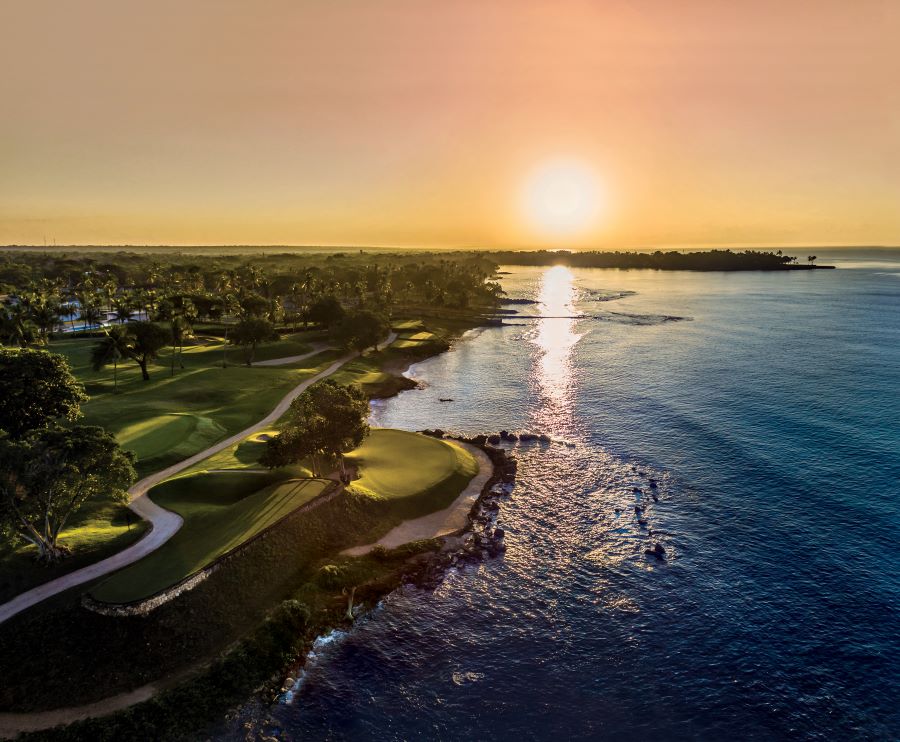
{"points": [[709, 260], [47, 292]]}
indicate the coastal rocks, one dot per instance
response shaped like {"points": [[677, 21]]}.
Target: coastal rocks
{"points": [[493, 439], [436, 433], [657, 551]]}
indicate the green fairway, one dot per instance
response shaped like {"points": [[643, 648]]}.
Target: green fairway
{"points": [[409, 324], [414, 340], [170, 418], [97, 530], [170, 434], [221, 511], [418, 474]]}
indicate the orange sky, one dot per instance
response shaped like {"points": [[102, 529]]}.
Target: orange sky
{"points": [[417, 123]]}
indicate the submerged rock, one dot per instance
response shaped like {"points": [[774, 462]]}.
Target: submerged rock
{"points": [[657, 551]]}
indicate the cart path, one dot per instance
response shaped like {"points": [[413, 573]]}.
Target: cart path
{"points": [[164, 523], [316, 349]]}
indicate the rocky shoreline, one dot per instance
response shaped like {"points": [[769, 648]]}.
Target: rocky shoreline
{"points": [[479, 540]]}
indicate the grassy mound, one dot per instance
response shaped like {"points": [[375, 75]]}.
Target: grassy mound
{"points": [[414, 474], [221, 511], [174, 436]]}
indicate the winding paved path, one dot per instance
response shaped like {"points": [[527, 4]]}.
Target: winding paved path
{"points": [[164, 522], [316, 348]]}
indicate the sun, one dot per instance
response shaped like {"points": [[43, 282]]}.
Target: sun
{"points": [[561, 197]]}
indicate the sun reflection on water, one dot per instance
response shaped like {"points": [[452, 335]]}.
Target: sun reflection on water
{"points": [[555, 339]]}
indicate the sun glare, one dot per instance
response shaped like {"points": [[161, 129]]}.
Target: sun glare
{"points": [[561, 197]]}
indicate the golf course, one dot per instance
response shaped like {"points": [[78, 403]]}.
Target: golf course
{"points": [[223, 508], [221, 511], [207, 471]]}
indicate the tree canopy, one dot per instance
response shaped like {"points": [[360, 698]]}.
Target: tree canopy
{"points": [[325, 311], [49, 474], [250, 332], [360, 330], [149, 339], [36, 389], [326, 421]]}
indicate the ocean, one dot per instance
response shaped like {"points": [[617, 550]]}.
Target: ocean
{"points": [[766, 406]]}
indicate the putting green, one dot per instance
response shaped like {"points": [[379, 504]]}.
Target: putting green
{"points": [[396, 464], [409, 324], [221, 511]]}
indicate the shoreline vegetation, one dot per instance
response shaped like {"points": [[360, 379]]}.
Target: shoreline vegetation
{"points": [[233, 635], [228, 632], [670, 260], [716, 259], [260, 669]]}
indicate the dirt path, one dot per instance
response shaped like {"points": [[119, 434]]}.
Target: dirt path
{"points": [[441, 523], [164, 522], [14, 724]]}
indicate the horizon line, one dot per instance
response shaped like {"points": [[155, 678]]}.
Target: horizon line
{"points": [[463, 248]]}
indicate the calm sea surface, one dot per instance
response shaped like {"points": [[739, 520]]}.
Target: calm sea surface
{"points": [[767, 405]]}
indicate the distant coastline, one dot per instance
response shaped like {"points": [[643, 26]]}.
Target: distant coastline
{"points": [[672, 260], [699, 260]]}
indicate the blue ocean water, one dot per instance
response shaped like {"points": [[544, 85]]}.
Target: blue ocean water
{"points": [[767, 407]]}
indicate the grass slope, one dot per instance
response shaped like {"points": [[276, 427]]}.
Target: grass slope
{"points": [[169, 417], [51, 657], [412, 474], [97, 530], [221, 510]]}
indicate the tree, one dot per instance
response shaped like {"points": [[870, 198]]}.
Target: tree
{"points": [[811, 259], [36, 388], [149, 339], [49, 474], [116, 345], [325, 311], [327, 420], [15, 326], [250, 332], [360, 330], [45, 313]]}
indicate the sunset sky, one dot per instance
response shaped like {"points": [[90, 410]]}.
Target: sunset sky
{"points": [[365, 122]]}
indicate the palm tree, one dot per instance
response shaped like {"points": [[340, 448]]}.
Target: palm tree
{"points": [[115, 345], [45, 313], [14, 326], [811, 259], [90, 311], [122, 306]]}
